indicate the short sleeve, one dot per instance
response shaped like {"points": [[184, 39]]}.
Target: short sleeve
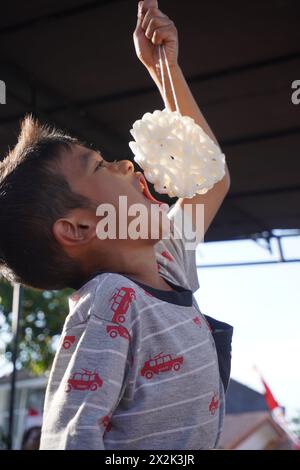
{"points": [[89, 374], [176, 254]]}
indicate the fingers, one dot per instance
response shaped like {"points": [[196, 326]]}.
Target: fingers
{"points": [[155, 24], [151, 13], [163, 33], [148, 4], [154, 19]]}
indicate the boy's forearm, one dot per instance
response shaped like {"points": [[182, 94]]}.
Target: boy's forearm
{"points": [[186, 102]]}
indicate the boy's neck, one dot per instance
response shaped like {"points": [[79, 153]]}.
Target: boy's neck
{"points": [[156, 283], [138, 264]]}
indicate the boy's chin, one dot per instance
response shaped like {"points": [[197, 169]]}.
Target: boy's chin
{"points": [[156, 232], [159, 231]]}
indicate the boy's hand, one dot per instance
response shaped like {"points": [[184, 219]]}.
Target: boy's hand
{"points": [[154, 28]]}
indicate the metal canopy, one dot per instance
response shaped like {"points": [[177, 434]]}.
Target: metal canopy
{"points": [[73, 63]]}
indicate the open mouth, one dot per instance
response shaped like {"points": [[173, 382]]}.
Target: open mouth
{"points": [[145, 190]]}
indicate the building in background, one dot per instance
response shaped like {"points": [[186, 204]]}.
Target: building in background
{"points": [[249, 424], [29, 400]]}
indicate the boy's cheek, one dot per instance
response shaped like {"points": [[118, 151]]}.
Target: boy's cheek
{"points": [[132, 216]]}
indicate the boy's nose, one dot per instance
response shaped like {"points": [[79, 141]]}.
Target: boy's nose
{"points": [[125, 166]]}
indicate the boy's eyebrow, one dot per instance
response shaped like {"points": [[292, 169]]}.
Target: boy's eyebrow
{"points": [[85, 159]]}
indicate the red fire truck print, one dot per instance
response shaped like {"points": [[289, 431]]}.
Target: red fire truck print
{"points": [[68, 341], [167, 255], [85, 380], [105, 421], [161, 363], [214, 404], [115, 330], [75, 297], [197, 321], [208, 325], [122, 298]]}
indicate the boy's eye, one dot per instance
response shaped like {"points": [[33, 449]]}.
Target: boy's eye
{"points": [[99, 164]]}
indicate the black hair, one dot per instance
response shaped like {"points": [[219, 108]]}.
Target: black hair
{"points": [[33, 195]]}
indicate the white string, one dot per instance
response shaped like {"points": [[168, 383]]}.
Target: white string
{"points": [[162, 75], [170, 77]]}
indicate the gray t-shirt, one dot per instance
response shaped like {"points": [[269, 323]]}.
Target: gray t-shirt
{"points": [[136, 367]]}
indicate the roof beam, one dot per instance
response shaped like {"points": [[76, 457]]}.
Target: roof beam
{"points": [[57, 15], [263, 192], [37, 90], [198, 78]]}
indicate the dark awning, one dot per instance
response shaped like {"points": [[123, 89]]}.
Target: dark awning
{"points": [[74, 63]]}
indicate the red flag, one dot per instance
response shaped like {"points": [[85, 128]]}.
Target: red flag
{"points": [[278, 413], [269, 397]]}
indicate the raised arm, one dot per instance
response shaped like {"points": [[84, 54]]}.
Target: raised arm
{"points": [[154, 28]]}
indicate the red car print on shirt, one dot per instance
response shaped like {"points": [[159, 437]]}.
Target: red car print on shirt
{"points": [[161, 363], [115, 330], [122, 298], [105, 421], [68, 341], [214, 404], [197, 321], [75, 297], [85, 380], [167, 255], [208, 325]]}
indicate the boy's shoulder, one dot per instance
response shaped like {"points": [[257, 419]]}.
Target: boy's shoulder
{"points": [[107, 295], [175, 254]]}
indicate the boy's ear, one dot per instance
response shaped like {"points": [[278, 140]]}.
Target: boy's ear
{"points": [[79, 228]]}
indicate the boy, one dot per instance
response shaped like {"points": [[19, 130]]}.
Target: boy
{"points": [[138, 366]]}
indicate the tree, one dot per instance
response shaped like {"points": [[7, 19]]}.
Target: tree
{"points": [[42, 317], [3, 440]]}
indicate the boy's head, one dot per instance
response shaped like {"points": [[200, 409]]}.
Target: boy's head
{"points": [[50, 187]]}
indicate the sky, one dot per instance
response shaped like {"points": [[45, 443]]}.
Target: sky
{"points": [[262, 303]]}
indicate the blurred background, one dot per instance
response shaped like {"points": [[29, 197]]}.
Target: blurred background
{"points": [[72, 63]]}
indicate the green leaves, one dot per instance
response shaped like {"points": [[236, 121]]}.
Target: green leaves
{"points": [[41, 321]]}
